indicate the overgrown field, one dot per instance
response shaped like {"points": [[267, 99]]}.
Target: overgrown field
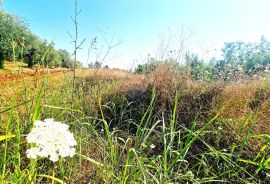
{"points": [[163, 127]]}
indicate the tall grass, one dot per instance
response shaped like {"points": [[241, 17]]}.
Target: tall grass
{"points": [[123, 141]]}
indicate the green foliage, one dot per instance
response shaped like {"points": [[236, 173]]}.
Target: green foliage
{"points": [[17, 42], [152, 64], [53, 58], [67, 61], [240, 59], [159, 149], [12, 33], [199, 69], [65, 58], [253, 58]]}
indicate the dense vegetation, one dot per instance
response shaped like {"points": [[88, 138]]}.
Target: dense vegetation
{"points": [[161, 128], [18, 43], [240, 59]]}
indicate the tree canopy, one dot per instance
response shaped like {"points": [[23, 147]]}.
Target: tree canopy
{"points": [[238, 59], [18, 43]]}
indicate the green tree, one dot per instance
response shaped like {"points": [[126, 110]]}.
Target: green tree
{"points": [[17, 42], [199, 69], [32, 50], [65, 58], [12, 30], [252, 57]]}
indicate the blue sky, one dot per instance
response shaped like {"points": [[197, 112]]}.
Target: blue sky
{"points": [[139, 24]]}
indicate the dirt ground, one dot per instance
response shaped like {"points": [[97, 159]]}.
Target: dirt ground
{"points": [[6, 77]]}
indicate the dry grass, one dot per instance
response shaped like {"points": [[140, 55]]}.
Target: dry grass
{"points": [[198, 99], [242, 97], [125, 98]]}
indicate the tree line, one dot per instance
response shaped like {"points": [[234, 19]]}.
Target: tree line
{"points": [[18, 43], [238, 59]]}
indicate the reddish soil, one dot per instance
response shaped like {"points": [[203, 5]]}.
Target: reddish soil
{"points": [[13, 76]]}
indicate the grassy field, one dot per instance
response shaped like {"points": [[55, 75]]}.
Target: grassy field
{"points": [[162, 127]]}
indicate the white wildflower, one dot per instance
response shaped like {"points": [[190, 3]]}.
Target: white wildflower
{"points": [[51, 140], [152, 146]]}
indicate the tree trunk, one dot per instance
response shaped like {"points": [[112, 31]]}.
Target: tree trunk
{"points": [[30, 56], [1, 61], [30, 62]]}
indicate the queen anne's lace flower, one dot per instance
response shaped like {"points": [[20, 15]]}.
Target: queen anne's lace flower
{"points": [[152, 146], [50, 139]]}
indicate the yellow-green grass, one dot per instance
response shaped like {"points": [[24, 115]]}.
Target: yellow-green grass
{"points": [[131, 128]]}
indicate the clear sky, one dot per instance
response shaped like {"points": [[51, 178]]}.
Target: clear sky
{"points": [[138, 23]]}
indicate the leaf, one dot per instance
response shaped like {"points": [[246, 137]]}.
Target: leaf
{"points": [[91, 160], [4, 137]]}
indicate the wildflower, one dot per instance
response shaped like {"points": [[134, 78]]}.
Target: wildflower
{"points": [[152, 146], [51, 140], [225, 150]]}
